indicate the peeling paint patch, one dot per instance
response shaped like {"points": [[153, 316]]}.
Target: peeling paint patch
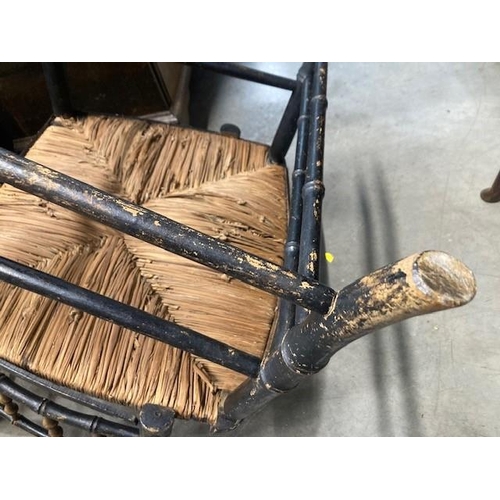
{"points": [[129, 208], [257, 263]]}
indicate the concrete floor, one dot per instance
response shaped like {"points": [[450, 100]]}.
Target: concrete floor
{"points": [[409, 147]]}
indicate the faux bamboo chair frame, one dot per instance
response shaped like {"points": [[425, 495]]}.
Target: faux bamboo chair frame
{"points": [[313, 320]]}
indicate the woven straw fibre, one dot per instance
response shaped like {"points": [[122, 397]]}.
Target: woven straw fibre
{"points": [[219, 185]]}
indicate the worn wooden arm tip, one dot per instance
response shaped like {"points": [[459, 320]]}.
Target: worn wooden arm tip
{"points": [[444, 279], [419, 284]]}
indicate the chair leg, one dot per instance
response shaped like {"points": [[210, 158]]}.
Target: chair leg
{"points": [[155, 420], [492, 194]]}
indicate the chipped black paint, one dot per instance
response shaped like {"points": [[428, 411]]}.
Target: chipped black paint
{"points": [[304, 232], [161, 231], [292, 247], [155, 420], [313, 189], [125, 413], [49, 409], [419, 284], [128, 317]]}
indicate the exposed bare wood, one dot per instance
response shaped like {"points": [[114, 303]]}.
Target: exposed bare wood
{"points": [[219, 185]]}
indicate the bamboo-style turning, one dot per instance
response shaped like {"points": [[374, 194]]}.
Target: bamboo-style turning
{"points": [[156, 254], [420, 284], [221, 186]]}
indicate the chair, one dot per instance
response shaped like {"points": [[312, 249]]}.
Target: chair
{"points": [[153, 272], [492, 194]]}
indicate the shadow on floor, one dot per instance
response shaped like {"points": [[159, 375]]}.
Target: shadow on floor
{"points": [[297, 413], [373, 197]]}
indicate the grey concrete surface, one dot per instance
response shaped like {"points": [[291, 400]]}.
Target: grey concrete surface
{"points": [[409, 147]]}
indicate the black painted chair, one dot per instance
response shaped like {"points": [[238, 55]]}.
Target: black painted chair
{"points": [[154, 272]]}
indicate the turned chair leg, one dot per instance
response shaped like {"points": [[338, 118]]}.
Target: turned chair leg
{"points": [[492, 194]]}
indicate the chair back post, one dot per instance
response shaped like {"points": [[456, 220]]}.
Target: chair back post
{"points": [[286, 314], [57, 85], [304, 230], [288, 124], [313, 190]]}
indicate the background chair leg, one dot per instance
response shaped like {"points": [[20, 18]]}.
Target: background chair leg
{"points": [[492, 194]]}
